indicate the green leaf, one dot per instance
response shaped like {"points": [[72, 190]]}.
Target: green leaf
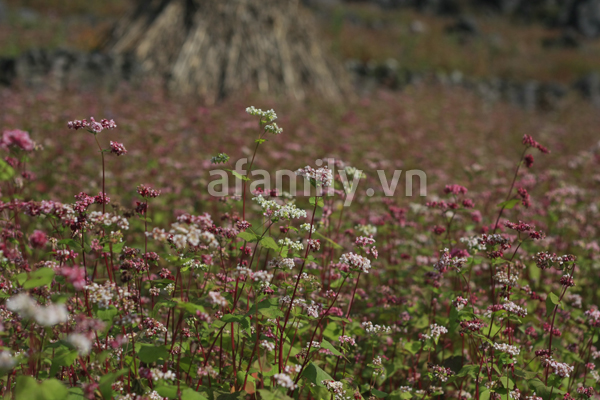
{"points": [[319, 201], [53, 389], [169, 391], [40, 277], [6, 171], [540, 389], [260, 141], [108, 314], [149, 353], [70, 243], [470, 370], [105, 384], [266, 394], [230, 396], [269, 308], [550, 304], [331, 242], [75, 394], [62, 358], [248, 236], [379, 394], [191, 394], [239, 176], [413, 347], [269, 243], [326, 345], [509, 204], [240, 319], [314, 374], [485, 394], [50, 389]]}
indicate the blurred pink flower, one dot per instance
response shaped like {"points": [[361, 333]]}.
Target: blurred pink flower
{"points": [[17, 138]]}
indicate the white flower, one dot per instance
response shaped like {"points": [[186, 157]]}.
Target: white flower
{"points": [[274, 129], [51, 315], [7, 361], [308, 227], [356, 261], [323, 177], [297, 246], [267, 345], [23, 305], [506, 348], [374, 328], [284, 380], [217, 299], [266, 116], [81, 343]]}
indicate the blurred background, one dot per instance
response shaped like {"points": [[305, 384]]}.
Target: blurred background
{"points": [[531, 53]]}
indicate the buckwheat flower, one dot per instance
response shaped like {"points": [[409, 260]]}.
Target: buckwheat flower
{"points": [[321, 177], [101, 294], [82, 344], [313, 309], [515, 309], [352, 172], [287, 263], [265, 344], [533, 397], [17, 138], [308, 227], [455, 189], [263, 277], [336, 388], [153, 395], [117, 148], [507, 348], [274, 129], [7, 361], [23, 305], [38, 239], [266, 116], [561, 369], [159, 374], [515, 394], [503, 278], [51, 315], [437, 330], [460, 303], [170, 288], [75, 275], [289, 211], [215, 298], [314, 244], [375, 328], [347, 340], [356, 261], [297, 246], [147, 192], [366, 230], [284, 380]]}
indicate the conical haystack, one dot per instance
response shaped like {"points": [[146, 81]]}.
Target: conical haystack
{"points": [[214, 48]]}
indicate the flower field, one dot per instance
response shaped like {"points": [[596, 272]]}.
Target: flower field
{"points": [[122, 277]]}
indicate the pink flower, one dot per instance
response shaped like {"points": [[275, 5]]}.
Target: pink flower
{"points": [[38, 239], [75, 275], [117, 148], [17, 138]]}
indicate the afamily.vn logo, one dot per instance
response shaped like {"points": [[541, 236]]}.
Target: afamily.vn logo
{"points": [[315, 182]]}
